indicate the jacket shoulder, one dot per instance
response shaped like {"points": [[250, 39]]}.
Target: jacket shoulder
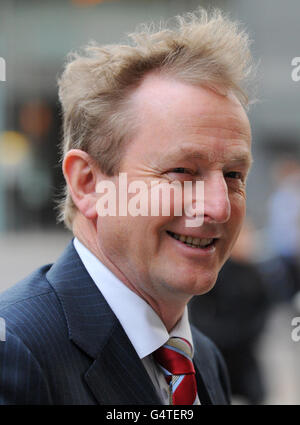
{"points": [[33, 285], [46, 366], [31, 310]]}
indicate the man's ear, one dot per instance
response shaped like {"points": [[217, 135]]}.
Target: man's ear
{"points": [[80, 172]]}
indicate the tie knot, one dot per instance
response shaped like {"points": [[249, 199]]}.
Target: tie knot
{"points": [[175, 357]]}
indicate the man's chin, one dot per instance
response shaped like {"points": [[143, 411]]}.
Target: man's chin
{"points": [[197, 286], [203, 287]]}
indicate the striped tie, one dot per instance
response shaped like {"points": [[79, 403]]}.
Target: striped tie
{"points": [[175, 360]]}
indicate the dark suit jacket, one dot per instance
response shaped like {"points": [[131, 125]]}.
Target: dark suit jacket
{"points": [[64, 345]]}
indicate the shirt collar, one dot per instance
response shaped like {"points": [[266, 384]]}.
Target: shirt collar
{"points": [[142, 325]]}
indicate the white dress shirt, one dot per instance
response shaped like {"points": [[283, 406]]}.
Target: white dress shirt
{"points": [[142, 325]]}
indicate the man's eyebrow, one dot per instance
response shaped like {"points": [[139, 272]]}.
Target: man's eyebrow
{"points": [[185, 153], [242, 158]]}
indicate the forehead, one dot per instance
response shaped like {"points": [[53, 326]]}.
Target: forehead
{"points": [[176, 118], [169, 95]]}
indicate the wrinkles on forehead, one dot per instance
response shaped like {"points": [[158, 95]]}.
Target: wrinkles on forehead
{"points": [[186, 151], [222, 125]]}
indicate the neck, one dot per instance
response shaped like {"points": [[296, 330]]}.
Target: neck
{"points": [[170, 314]]}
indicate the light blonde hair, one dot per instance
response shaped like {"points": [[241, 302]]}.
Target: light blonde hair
{"points": [[202, 48]]}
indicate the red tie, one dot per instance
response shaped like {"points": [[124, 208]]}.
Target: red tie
{"points": [[175, 360]]}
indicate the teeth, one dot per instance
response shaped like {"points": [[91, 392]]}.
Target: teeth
{"points": [[189, 240]]}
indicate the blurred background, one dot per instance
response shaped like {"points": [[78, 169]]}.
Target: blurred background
{"points": [[249, 312]]}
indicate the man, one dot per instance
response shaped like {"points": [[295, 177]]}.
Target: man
{"points": [[107, 323]]}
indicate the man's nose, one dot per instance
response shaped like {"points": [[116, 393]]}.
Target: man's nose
{"points": [[216, 200]]}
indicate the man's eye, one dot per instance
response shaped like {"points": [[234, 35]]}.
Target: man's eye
{"points": [[234, 175], [180, 170]]}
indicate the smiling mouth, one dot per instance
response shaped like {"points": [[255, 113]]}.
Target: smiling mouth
{"points": [[193, 242]]}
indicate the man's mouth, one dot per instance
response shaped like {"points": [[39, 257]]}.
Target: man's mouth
{"points": [[191, 241]]}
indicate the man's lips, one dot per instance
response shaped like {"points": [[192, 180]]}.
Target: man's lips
{"points": [[193, 241]]}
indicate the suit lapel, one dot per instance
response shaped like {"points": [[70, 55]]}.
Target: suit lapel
{"points": [[116, 375], [205, 392], [208, 384]]}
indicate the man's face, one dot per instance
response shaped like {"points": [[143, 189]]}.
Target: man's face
{"points": [[185, 133]]}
